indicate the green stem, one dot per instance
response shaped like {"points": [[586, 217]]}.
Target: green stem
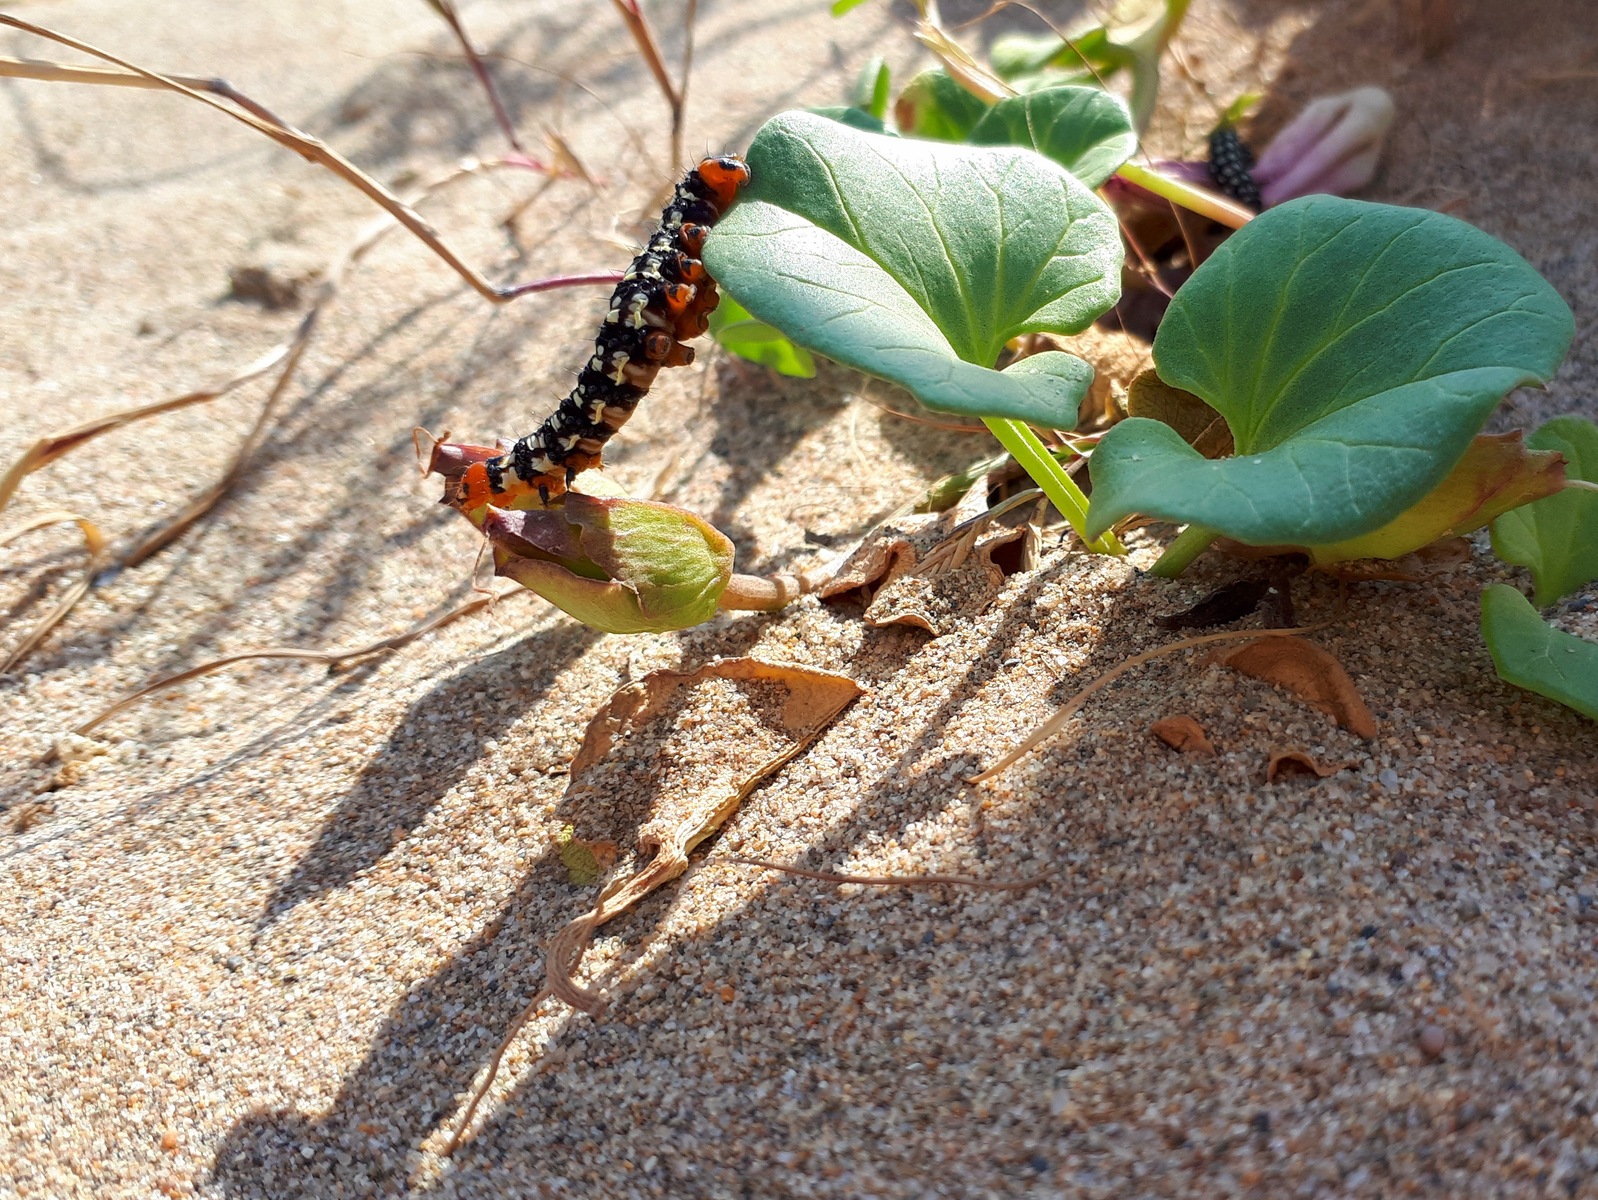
{"points": [[1196, 199], [1189, 544], [1059, 487]]}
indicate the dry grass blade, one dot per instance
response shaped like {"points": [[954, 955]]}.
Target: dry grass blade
{"points": [[1057, 722], [92, 537], [286, 356], [333, 658], [958, 61], [637, 25], [52, 446], [52, 72], [992, 885], [95, 541], [303, 144], [649, 49], [69, 601]]}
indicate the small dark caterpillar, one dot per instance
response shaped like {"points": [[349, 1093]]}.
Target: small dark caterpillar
{"points": [[1230, 164], [664, 299]]}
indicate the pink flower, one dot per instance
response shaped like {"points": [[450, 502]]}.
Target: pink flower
{"points": [[1333, 146]]}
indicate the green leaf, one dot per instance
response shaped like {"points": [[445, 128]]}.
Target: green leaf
{"points": [[739, 333], [1557, 537], [1496, 474], [1354, 350], [1086, 130], [856, 118], [917, 261], [1530, 653], [873, 88], [1019, 55], [1132, 37], [933, 105], [839, 7], [1239, 108]]}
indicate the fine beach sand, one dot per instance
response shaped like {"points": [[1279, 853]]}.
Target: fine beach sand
{"points": [[263, 937]]}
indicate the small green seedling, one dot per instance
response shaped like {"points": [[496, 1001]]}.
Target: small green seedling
{"points": [[1557, 538]]}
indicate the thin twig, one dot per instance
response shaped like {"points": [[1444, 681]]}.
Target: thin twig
{"points": [[482, 1090], [689, 17], [332, 658], [638, 26], [474, 59], [52, 72], [307, 147], [1057, 722], [1581, 485], [993, 885]]}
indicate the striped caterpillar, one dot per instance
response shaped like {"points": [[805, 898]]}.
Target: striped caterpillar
{"points": [[664, 299]]}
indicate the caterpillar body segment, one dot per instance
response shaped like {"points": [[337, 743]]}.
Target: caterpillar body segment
{"points": [[664, 299]]}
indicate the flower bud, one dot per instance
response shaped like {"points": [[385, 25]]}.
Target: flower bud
{"points": [[619, 565], [1332, 146]]}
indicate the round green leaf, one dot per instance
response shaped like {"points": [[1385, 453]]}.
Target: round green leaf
{"points": [[917, 261], [1354, 350], [1530, 653], [1088, 131]]}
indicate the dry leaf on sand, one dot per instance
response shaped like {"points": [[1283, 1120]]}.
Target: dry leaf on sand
{"points": [[1310, 673], [1182, 732], [1117, 357], [1288, 763], [696, 743], [1199, 425], [934, 570]]}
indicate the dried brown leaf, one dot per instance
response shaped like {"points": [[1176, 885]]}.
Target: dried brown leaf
{"points": [[1311, 673], [702, 760], [1299, 762], [1199, 425], [934, 570], [1118, 359], [1182, 732]]}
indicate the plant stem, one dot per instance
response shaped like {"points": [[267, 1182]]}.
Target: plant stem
{"points": [[768, 593], [1195, 199], [1059, 487], [1189, 544], [1581, 485]]}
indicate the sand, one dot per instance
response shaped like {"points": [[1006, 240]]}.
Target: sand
{"points": [[265, 943]]}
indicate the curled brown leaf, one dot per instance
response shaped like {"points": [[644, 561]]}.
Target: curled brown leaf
{"points": [[1182, 732], [935, 570], [1311, 673], [696, 743], [1299, 762]]}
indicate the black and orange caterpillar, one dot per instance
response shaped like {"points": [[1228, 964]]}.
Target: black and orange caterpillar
{"points": [[664, 299]]}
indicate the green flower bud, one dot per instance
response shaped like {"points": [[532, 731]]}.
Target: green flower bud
{"points": [[617, 564]]}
